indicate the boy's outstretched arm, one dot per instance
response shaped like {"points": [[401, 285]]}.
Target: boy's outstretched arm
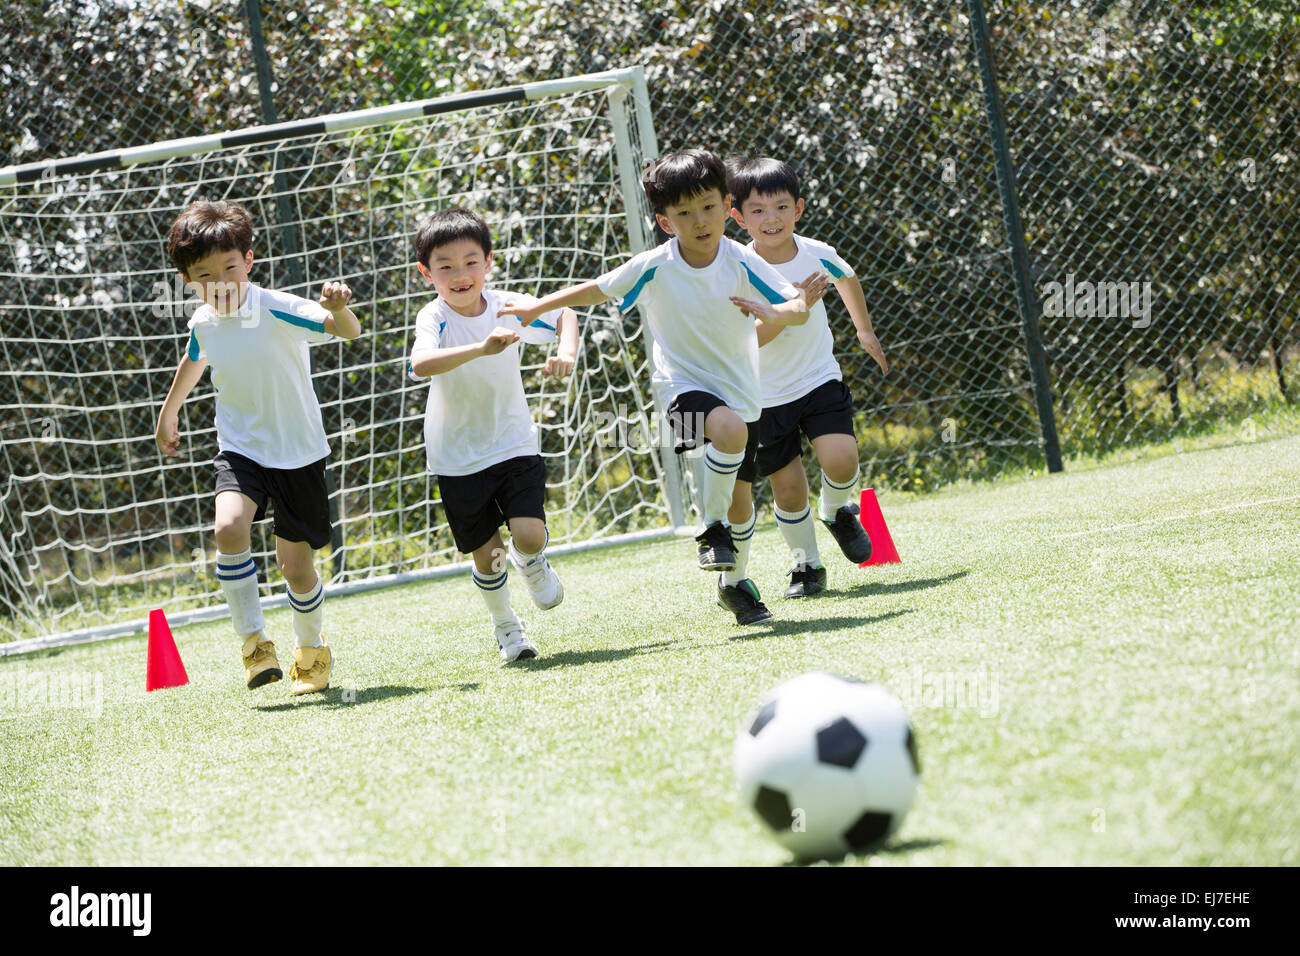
{"points": [[850, 290], [791, 311], [588, 293], [813, 287], [427, 362], [561, 363], [342, 321], [168, 432]]}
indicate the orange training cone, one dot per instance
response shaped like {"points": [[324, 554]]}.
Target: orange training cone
{"points": [[873, 522], [164, 667]]}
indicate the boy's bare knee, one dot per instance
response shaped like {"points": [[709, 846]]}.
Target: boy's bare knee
{"points": [[232, 537]]}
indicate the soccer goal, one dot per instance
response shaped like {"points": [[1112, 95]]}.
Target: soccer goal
{"points": [[97, 527]]}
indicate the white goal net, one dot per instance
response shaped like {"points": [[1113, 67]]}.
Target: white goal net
{"points": [[97, 527]]}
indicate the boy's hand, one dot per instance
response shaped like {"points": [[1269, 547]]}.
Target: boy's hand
{"points": [[525, 309], [558, 365], [500, 340], [871, 345], [814, 287], [759, 310], [168, 435], [334, 297]]}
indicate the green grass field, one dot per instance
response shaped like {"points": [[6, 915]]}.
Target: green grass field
{"points": [[1101, 668]]}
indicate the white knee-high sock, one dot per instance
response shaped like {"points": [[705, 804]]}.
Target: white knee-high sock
{"points": [[238, 576], [835, 495], [800, 534], [308, 614], [718, 481], [495, 588], [743, 535]]}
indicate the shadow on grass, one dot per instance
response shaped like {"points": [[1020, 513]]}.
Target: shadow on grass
{"points": [[892, 849], [340, 697], [784, 628], [573, 658], [897, 587]]}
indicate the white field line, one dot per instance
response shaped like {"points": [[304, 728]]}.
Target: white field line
{"points": [[1184, 517]]}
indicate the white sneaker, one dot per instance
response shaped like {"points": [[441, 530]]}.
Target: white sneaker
{"points": [[513, 642], [542, 583]]}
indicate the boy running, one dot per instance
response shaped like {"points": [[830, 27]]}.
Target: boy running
{"points": [[479, 435], [269, 431], [801, 381]]}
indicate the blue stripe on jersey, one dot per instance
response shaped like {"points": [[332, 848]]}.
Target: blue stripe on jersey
{"points": [[549, 328], [298, 320], [764, 289], [835, 271], [193, 350], [442, 327], [629, 300]]}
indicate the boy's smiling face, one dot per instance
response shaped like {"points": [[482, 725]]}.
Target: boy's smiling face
{"points": [[769, 219], [221, 278], [699, 223], [459, 271]]}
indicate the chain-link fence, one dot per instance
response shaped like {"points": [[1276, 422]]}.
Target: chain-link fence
{"points": [[1153, 144]]}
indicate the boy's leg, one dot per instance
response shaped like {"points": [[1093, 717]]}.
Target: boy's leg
{"points": [[838, 457], [826, 417], [528, 539], [236, 569], [491, 577], [473, 507], [522, 499], [306, 590], [241, 500], [728, 437], [795, 519], [736, 592], [300, 498]]}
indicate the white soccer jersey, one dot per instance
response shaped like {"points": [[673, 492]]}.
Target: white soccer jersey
{"points": [[802, 356], [477, 415], [266, 409], [702, 342]]}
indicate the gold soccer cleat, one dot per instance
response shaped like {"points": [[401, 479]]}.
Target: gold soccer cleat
{"points": [[310, 671], [261, 666]]}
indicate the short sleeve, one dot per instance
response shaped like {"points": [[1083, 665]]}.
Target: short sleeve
{"points": [[302, 318], [628, 280], [831, 261], [765, 280], [428, 335]]}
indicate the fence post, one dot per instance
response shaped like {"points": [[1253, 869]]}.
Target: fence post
{"points": [[1029, 307], [289, 238]]}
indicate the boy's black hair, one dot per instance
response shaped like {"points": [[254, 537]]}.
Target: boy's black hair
{"points": [[762, 175], [448, 225], [206, 227], [677, 176]]}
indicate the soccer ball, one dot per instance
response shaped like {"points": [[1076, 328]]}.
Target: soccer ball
{"points": [[828, 765]]}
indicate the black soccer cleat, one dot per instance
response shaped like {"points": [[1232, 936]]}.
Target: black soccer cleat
{"points": [[849, 534], [742, 600], [805, 581], [717, 550]]}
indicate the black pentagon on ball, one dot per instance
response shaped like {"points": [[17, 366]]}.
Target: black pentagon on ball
{"points": [[840, 743], [773, 807], [911, 752], [763, 718], [868, 830]]}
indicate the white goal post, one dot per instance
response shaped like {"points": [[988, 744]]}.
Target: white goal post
{"points": [[97, 527]]}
